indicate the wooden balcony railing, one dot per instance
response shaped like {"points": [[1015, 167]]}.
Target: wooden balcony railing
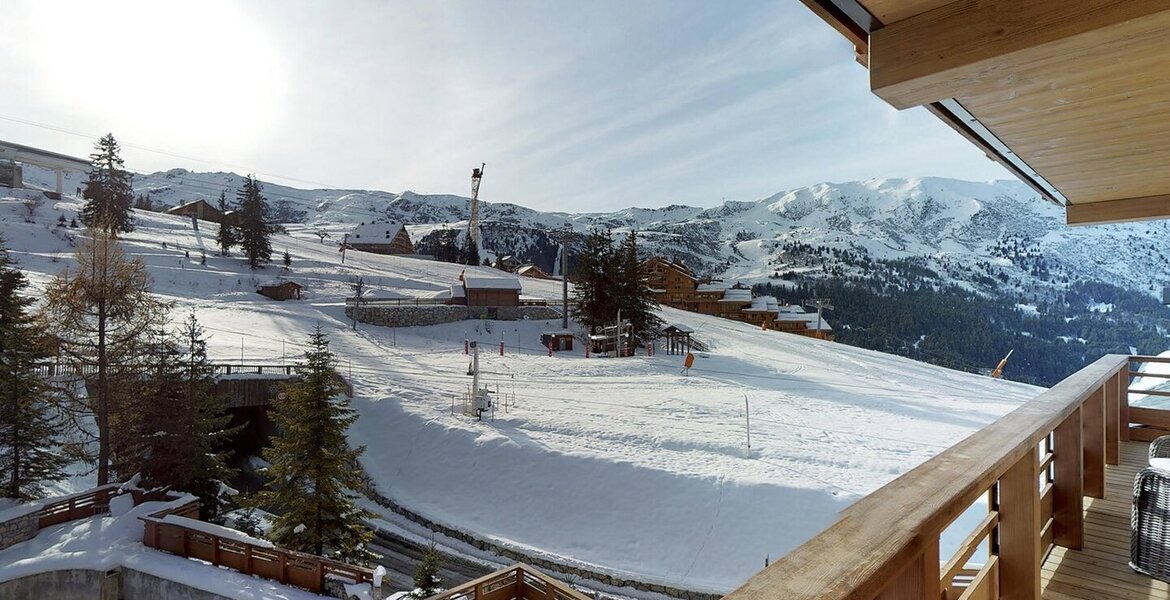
{"points": [[193, 539], [517, 582], [1033, 467]]}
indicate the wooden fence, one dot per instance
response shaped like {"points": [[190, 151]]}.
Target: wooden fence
{"points": [[77, 506], [1034, 467], [284, 566], [517, 582]]}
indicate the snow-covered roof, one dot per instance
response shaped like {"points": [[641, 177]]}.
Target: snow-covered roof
{"points": [[475, 282], [793, 309], [736, 295], [763, 304], [191, 203], [529, 268], [457, 291], [278, 283], [679, 327], [808, 318], [711, 287], [556, 332], [375, 233]]}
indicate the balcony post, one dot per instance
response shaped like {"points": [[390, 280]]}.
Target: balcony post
{"points": [[1112, 420], [1093, 439], [1123, 401], [1068, 492], [1019, 530]]}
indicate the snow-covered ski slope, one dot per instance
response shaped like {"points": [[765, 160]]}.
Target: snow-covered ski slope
{"points": [[627, 465]]}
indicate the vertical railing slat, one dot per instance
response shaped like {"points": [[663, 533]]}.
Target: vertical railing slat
{"points": [[1068, 490], [1112, 423], [1093, 440], [1019, 530]]}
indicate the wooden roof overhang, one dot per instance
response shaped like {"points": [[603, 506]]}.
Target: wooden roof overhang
{"points": [[1072, 97]]}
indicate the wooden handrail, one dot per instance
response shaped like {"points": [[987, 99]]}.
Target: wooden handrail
{"points": [[285, 566], [886, 544]]}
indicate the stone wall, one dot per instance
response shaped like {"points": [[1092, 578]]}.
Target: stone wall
{"points": [[411, 316], [20, 527]]}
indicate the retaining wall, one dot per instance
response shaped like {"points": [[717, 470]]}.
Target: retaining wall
{"points": [[411, 316], [20, 525]]}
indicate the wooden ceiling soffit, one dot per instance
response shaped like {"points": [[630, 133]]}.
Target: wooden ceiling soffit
{"points": [[1118, 211], [965, 47]]}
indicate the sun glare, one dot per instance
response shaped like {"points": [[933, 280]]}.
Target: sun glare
{"points": [[161, 71]]}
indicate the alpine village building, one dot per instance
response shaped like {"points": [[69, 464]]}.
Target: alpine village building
{"points": [[381, 238], [676, 286]]}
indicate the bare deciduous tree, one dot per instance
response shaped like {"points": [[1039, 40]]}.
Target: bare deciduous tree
{"points": [[101, 312]]}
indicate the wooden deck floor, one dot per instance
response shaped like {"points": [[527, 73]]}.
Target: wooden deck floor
{"points": [[1101, 570]]}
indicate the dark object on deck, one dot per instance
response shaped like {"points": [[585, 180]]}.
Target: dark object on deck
{"points": [[1149, 549]]}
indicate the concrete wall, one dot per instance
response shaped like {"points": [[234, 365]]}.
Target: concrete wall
{"points": [[73, 584], [410, 316], [118, 584]]}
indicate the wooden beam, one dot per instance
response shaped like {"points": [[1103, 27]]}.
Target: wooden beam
{"points": [[943, 52], [1118, 211]]}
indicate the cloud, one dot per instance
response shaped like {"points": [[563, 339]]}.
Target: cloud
{"points": [[574, 106]]}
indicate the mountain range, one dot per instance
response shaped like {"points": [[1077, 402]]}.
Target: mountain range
{"points": [[982, 236]]}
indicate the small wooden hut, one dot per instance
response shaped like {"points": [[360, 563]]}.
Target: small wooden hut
{"points": [[678, 338], [280, 290]]}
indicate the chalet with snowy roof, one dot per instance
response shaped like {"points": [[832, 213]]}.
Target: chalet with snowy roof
{"points": [[381, 238], [280, 290], [199, 209], [508, 263], [673, 284], [478, 290], [532, 271]]}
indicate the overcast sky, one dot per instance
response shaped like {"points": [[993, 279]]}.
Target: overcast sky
{"points": [[576, 106]]}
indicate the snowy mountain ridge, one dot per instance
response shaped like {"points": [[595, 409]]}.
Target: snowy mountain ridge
{"points": [[988, 236]]}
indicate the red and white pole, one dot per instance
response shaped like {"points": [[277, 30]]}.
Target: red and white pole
{"points": [[501, 347], [465, 343], [550, 348]]}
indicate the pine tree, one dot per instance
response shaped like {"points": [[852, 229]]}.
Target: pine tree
{"points": [[255, 224], [108, 190], [594, 301], [100, 314], [427, 582], [227, 236], [470, 253], [634, 296], [313, 470], [30, 428], [183, 421], [287, 259]]}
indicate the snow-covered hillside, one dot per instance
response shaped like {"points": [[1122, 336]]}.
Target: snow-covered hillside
{"points": [[627, 465]]}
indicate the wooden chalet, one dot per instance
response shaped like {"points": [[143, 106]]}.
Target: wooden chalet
{"points": [[1070, 97], [476, 290], [381, 238], [280, 290], [533, 271], [199, 209], [672, 283]]}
